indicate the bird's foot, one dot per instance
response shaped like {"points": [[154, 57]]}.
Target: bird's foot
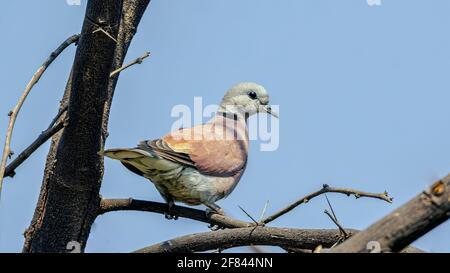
{"points": [[215, 227], [170, 214], [214, 209]]}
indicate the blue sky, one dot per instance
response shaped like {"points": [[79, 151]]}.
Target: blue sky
{"points": [[363, 95]]}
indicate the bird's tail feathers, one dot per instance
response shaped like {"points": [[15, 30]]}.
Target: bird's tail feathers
{"points": [[140, 161], [126, 153]]}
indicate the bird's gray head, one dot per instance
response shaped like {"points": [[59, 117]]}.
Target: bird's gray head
{"points": [[246, 98]]}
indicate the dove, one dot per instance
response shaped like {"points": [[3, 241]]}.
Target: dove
{"points": [[202, 164]]}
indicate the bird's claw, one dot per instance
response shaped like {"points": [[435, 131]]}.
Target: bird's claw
{"points": [[209, 212], [215, 227], [170, 216]]}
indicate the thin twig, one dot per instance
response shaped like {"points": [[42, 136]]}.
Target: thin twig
{"points": [[13, 114], [331, 207], [106, 33], [56, 118], [136, 61], [41, 139], [336, 222], [383, 196], [334, 218], [249, 216], [264, 210]]}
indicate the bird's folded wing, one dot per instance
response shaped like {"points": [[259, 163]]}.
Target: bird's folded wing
{"points": [[209, 154], [160, 147]]}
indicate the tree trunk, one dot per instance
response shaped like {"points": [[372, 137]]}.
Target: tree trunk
{"points": [[69, 199]]}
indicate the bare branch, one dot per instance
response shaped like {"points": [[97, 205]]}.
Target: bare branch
{"points": [[248, 215], [264, 210], [290, 239], [56, 118], [201, 243], [407, 223], [136, 61], [13, 114], [109, 205], [383, 196], [283, 237], [41, 139], [336, 222]]}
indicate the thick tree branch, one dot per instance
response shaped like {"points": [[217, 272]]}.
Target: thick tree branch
{"points": [[41, 139], [223, 239], [407, 223], [290, 239], [74, 170], [383, 196], [15, 112], [109, 205]]}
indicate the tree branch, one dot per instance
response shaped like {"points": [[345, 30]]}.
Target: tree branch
{"points": [[383, 196], [41, 139], [15, 112], [290, 239], [407, 223], [223, 239], [109, 205], [136, 61], [206, 241], [336, 222]]}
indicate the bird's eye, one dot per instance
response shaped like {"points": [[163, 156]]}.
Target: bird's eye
{"points": [[252, 95]]}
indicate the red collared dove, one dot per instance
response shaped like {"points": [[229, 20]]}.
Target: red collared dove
{"points": [[202, 164]]}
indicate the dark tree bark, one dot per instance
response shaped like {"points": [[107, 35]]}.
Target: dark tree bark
{"points": [[406, 224], [223, 239], [291, 239], [69, 198], [133, 10]]}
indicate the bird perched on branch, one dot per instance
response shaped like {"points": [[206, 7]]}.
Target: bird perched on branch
{"points": [[202, 164]]}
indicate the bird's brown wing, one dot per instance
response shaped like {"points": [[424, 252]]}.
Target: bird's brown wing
{"points": [[160, 147], [211, 156]]}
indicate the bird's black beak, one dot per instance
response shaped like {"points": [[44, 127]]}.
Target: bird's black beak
{"points": [[270, 111]]}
